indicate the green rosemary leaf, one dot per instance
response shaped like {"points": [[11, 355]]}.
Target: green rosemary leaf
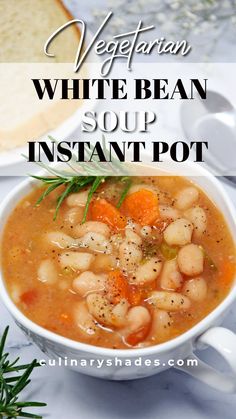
{"points": [[54, 171], [23, 380], [48, 191], [48, 179], [12, 379], [30, 404], [10, 387], [97, 181], [29, 415], [3, 341], [63, 196], [12, 364], [19, 367], [82, 181], [125, 191]]}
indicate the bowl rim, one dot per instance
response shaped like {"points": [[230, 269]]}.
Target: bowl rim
{"points": [[172, 344]]}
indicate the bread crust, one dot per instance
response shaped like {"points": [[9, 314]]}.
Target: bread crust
{"points": [[45, 120], [69, 15]]}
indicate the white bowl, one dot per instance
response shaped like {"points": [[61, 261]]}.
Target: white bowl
{"points": [[204, 333]]}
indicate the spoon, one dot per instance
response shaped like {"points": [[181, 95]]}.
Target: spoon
{"points": [[213, 120]]}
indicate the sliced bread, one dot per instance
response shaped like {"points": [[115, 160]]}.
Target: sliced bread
{"points": [[25, 25]]}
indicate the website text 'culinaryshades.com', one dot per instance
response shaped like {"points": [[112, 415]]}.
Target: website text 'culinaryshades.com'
{"points": [[118, 362]]}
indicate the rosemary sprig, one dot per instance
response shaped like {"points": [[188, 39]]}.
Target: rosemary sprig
{"points": [[96, 183], [75, 184], [12, 385], [79, 176], [72, 185], [128, 183]]}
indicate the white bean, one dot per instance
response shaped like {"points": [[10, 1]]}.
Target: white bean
{"points": [[92, 227], [147, 272], [84, 320], [74, 215], [76, 260], [161, 323], [132, 237], [88, 282], [195, 289], [103, 262], [179, 232], [130, 256], [170, 301], [119, 311], [146, 231], [168, 212], [100, 308], [186, 197], [47, 272], [96, 242], [133, 226], [61, 240], [171, 278], [190, 260], [104, 312], [198, 217], [77, 199], [137, 318], [116, 240]]}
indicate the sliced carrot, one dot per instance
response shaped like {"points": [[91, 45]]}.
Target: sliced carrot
{"points": [[142, 207], [139, 336], [102, 210], [29, 297], [227, 273], [118, 287]]}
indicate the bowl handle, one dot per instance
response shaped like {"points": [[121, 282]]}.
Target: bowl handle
{"points": [[224, 342]]}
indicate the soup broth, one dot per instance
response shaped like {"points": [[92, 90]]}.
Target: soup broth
{"points": [[132, 275]]}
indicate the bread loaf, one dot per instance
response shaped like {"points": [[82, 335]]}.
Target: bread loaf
{"points": [[25, 25]]}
